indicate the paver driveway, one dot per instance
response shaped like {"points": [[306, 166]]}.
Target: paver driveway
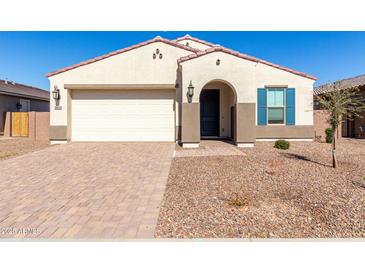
{"points": [[84, 190]]}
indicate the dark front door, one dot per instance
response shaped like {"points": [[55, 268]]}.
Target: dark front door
{"points": [[209, 113]]}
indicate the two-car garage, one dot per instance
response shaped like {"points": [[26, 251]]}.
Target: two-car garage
{"points": [[128, 95], [123, 115]]}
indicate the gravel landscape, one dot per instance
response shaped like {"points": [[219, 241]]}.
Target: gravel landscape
{"points": [[11, 147], [267, 193]]}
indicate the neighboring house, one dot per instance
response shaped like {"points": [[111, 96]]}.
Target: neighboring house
{"points": [[353, 126], [18, 97], [180, 90]]}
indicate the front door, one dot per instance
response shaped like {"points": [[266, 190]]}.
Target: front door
{"points": [[209, 113]]}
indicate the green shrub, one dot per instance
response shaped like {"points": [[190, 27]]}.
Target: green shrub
{"points": [[329, 134], [281, 144]]}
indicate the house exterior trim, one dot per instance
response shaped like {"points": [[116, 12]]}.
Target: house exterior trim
{"points": [[23, 96], [120, 86], [190, 132], [290, 132], [245, 127], [59, 133]]}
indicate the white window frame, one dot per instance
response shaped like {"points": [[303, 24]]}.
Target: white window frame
{"points": [[267, 106]]}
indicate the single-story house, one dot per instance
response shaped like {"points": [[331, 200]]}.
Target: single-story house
{"points": [[353, 126], [18, 97], [180, 90]]}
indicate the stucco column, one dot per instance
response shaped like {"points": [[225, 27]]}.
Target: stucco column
{"points": [[60, 131], [245, 133], [190, 124]]}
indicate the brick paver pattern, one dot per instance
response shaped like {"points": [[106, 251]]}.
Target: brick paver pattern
{"points": [[84, 190]]}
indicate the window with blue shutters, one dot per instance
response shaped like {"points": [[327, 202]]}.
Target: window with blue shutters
{"points": [[290, 106], [276, 106], [261, 107]]}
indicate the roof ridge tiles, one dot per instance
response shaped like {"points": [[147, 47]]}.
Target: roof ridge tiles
{"points": [[188, 37]]}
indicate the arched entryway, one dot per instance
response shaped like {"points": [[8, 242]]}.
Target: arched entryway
{"points": [[217, 110]]}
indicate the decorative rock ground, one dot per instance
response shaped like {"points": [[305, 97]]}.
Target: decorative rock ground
{"points": [[293, 193]]}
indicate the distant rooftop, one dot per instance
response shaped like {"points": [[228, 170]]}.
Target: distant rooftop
{"points": [[16, 89], [353, 82]]}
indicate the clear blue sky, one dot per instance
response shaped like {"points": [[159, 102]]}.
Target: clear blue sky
{"points": [[26, 57]]}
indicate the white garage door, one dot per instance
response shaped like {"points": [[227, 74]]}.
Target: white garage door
{"points": [[123, 115]]}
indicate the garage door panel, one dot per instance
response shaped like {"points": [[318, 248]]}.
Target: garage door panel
{"points": [[119, 116]]}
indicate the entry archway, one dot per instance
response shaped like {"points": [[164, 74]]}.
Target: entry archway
{"points": [[217, 110]]}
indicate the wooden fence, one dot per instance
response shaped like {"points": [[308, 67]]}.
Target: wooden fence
{"points": [[34, 125], [20, 124]]}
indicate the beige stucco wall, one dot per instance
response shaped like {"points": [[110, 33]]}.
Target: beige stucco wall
{"points": [[138, 67], [193, 44], [133, 67], [245, 77]]}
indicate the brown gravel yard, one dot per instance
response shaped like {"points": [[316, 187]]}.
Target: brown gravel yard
{"points": [[267, 192], [11, 147]]}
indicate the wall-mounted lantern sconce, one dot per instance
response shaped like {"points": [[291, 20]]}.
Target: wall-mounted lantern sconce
{"points": [[56, 94], [157, 51], [160, 55], [191, 89], [218, 62], [154, 56], [18, 106]]}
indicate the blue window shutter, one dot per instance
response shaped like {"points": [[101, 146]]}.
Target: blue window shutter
{"points": [[290, 106], [261, 107]]}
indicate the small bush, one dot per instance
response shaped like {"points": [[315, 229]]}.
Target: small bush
{"points": [[329, 134], [281, 144], [238, 202]]}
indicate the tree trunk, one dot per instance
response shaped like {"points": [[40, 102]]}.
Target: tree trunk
{"points": [[334, 158]]}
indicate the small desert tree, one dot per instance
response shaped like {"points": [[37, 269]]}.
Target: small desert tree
{"points": [[338, 102]]}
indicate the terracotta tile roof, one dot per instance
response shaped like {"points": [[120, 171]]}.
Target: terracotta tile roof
{"points": [[353, 82], [196, 53], [188, 37], [243, 56], [156, 39], [20, 90]]}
